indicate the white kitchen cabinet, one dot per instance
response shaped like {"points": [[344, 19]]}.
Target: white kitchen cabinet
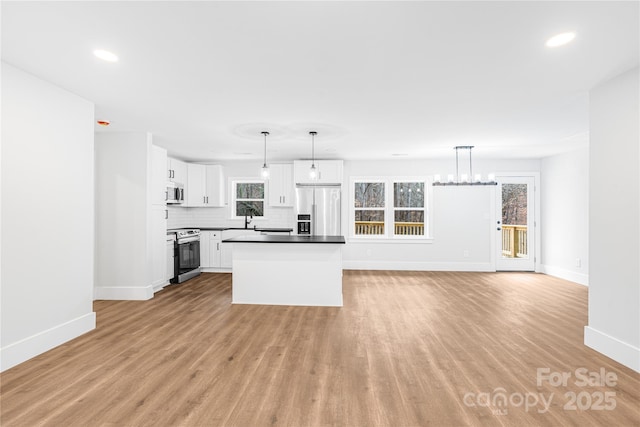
{"points": [[170, 259], [281, 185], [157, 181], [176, 171], [205, 186], [158, 246], [210, 249], [329, 171], [226, 249], [215, 185]]}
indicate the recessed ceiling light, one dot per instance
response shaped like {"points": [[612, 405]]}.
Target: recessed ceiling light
{"points": [[103, 122], [400, 154], [560, 39], [105, 55]]}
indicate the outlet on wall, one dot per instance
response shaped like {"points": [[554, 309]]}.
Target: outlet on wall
{"points": [[465, 253], [578, 262]]}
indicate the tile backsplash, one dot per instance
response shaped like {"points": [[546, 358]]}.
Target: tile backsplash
{"points": [[181, 217]]}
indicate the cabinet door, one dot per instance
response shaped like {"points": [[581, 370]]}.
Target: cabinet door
{"points": [[158, 245], [226, 255], [205, 256], [177, 171], [157, 176], [170, 260], [195, 188], [215, 194], [214, 250], [330, 171], [301, 171], [281, 185]]}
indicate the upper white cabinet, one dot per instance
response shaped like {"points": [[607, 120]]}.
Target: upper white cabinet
{"points": [[176, 171], [157, 182], [205, 185], [281, 185], [329, 172]]}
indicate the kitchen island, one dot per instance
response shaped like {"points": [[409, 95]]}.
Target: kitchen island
{"points": [[287, 270]]}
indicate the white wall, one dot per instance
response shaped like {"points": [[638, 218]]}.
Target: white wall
{"points": [[463, 219], [122, 178], [47, 216], [614, 220], [565, 215]]}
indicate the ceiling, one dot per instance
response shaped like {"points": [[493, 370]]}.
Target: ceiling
{"points": [[376, 80]]}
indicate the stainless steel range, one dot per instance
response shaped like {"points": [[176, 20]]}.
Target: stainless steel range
{"points": [[187, 260]]}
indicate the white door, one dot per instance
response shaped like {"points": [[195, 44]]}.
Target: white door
{"points": [[515, 240]]}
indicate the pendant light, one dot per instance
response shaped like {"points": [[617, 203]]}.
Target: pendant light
{"points": [[265, 169], [465, 179], [313, 172]]}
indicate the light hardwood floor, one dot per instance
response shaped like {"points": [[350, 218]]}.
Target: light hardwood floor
{"points": [[407, 349]]}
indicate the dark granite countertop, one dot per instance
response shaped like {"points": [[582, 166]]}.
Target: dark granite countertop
{"points": [[286, 239], [259, 229]]}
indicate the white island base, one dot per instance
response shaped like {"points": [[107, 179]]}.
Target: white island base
{"points": [[307, 274]]}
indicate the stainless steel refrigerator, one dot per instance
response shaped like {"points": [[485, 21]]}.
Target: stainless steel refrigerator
{"points": [[318, 210]]}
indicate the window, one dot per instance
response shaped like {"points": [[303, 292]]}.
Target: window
{"points": [[390, 208], [369, 204], [248, 198], [408, 208]]}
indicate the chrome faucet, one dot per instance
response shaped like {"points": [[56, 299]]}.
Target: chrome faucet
{"points": [[247, 221]]}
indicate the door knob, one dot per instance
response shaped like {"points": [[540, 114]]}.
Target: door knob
{"points": [[498, 228]]}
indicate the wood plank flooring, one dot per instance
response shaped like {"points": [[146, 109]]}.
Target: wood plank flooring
{"points": [[407, 349]]}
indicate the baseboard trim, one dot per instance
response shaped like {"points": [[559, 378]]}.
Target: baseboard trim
{"points": [[613, 348], [572, 276], [127, 293], [30, 347], [418, 266]]}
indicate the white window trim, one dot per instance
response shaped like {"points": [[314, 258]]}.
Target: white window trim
{"points": [[233, 182], [390, 236]]}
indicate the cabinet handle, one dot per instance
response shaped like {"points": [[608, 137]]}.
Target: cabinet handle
{"points": [[204, 200], [284, 199], [217, 246], [166, 214], [166, 195]]}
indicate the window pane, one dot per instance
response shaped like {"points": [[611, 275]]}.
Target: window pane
{"points": [[369, 222], [369, 215], [249, 190], [255, 208], [514, 204], [409, 216], [369, 194], [409, 223], [408, 194]]}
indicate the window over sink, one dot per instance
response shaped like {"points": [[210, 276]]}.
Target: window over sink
{"points": [[248, 198]]}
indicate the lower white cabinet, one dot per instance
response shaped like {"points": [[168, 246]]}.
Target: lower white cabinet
{"points": [[158, 232], [216, 255], [226, 249], [170, 259], [210, 246]]}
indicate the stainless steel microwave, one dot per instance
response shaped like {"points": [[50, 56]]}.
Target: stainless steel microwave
{"points": [[175, 193]]}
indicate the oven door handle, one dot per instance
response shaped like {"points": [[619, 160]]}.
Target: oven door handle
{"points": [[189, 240]]}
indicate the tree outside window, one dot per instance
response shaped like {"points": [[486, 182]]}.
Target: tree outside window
{"points": [[408, 207], [369, 204], [249, 199]]}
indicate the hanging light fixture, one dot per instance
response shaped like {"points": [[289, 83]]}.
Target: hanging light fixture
{"points": [[465, 179], [313, 171], [264, 172]]}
